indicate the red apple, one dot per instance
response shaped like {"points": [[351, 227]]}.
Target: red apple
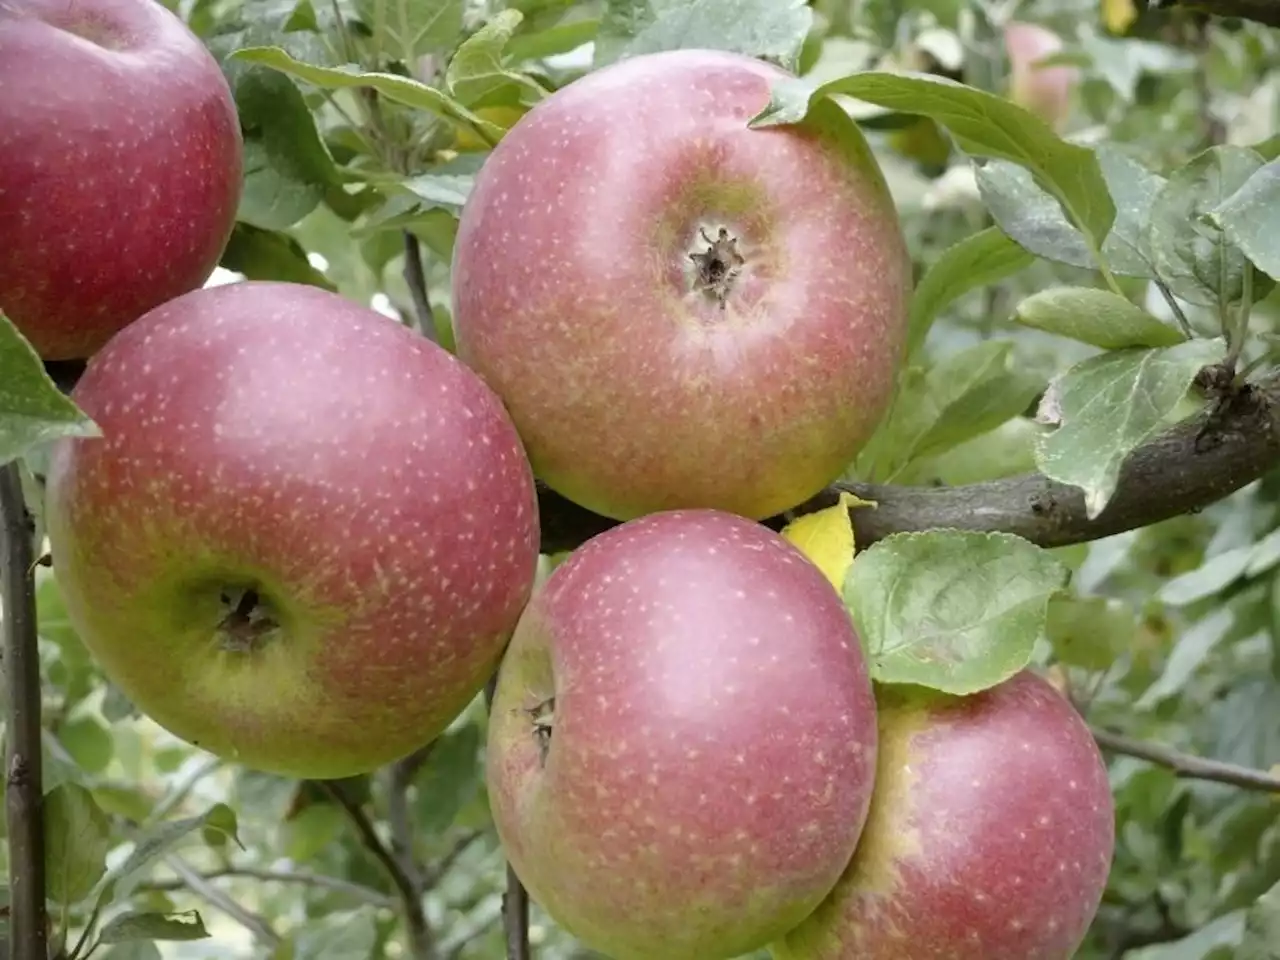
{"points": [[682, 739], [646, 356], [120, 167], [990, 836], [1045, 91], [306, 534]]}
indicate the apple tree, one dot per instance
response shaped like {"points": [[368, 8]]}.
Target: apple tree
{"points": [[657, 479]]}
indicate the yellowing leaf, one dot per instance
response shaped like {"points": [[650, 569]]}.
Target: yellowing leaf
{"points": [[1118, 15], [826, 538]]}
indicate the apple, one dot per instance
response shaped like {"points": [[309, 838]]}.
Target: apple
{"points": [[1045, 91], [665, 298], [682, 741], [120, 167], [990, 836], [306, 534]]}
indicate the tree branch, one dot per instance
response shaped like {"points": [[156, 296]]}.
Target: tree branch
{"points": [[1192, 465], [439, 869], [1260, 11], [421, 946], [1187, 766], [515, 901], [24, 778], [358, 891], [191, 878], [415, 276], [400, 818]]}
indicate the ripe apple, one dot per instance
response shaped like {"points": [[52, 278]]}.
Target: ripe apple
{"points": [[664, 297], [990, 836], [306, 534], [1045, 91], [682, 741], [120, 167]]}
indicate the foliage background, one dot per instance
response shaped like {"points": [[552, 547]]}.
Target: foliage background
{"points": [[1177, 635]]}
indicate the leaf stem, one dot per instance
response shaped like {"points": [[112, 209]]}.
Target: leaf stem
{"points": [[24, 798]]}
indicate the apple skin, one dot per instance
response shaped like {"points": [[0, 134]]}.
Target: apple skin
{"points": [[713, 745], [120, 167], [990, 836], [277, 437], [1045, 91], [574, 292]]}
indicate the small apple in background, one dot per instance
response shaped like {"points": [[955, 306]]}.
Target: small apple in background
{"points": [[990, 836], [120, 167], [1045, 91], [644, 354], [306, 534], [682, 741]]}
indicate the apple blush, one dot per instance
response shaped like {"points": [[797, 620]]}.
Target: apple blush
{"points": [[682, 741], [665, 297], [990, 837], [120, 167], [305, 535]]}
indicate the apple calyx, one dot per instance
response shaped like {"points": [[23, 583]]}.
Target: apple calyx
{"points": [[718, 266], [248, 622], [543, 718]]}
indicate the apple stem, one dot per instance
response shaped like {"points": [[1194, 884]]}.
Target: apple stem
{"points": [[718, 266], [24, 777]]}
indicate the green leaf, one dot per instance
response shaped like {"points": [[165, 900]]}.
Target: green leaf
{"points": [[33, 411], [768, 29], [1192, 255], [983, 259], [158, 839], [1107, 405], [88, 742], [449, 778], [287, 168], [77, 837], [476, 69], [1090, 632], [344, 936], [1098, 317], [136, 950], [1192, 649], [1250, 218], [984, 125], [952, 610], [1262, 928], [415, 28], [139, 925], [963, 395], [562, 38], [392, 86], [270, 255]]}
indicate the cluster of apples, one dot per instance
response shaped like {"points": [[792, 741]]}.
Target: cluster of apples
{"points": [[308, 536]]}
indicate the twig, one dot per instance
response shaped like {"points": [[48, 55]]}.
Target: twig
{"points": [[24, 807], [515, 901], [216, 898], [421, 946], [1187, 766], [1194, 464], [515, 917], [445, 863], [415, 276], [400, 818], [357, 891]]}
